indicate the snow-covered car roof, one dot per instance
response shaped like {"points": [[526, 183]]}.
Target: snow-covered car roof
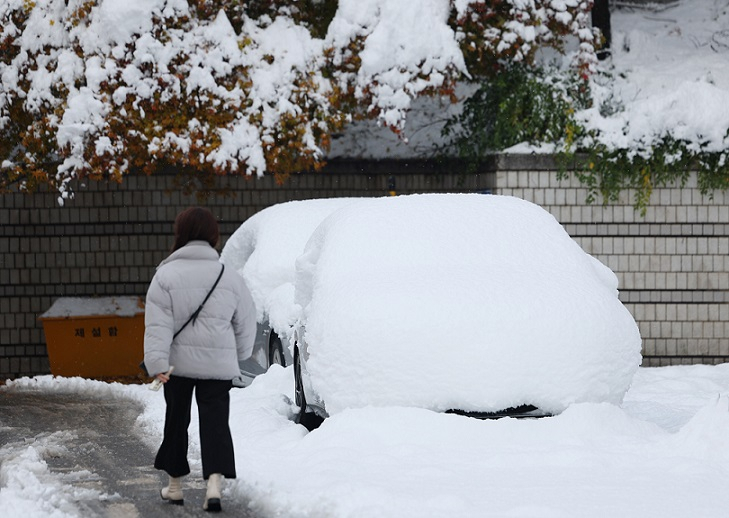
{"points": [[264, 250], [471, 302]]}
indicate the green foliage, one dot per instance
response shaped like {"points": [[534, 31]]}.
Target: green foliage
{"points": [[640, 167], [537, 106], [520, 104], [607, 173]]}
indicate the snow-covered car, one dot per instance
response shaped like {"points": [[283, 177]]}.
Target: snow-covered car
{"points": [[264, 250], [456, 302]]}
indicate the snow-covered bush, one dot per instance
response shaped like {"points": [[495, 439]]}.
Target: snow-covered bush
{"points": [[493, 33], [99, 88], [651, 116]]}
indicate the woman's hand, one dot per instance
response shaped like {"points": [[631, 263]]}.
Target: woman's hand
{"points": [[160, 379], [164, 377]]}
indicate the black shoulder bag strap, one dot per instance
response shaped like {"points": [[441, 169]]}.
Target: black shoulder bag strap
{"points": [[193, 317]]}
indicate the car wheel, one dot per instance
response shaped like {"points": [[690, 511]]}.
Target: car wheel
{"points": [[275, 351], [298, 385], [308, 420]]}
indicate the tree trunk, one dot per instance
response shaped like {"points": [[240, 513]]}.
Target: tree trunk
{"points": [[601, 20]]}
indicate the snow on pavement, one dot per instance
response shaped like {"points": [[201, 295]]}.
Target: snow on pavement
{"points": [[663, 452]]}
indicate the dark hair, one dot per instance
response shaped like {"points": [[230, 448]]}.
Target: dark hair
{"points": [[196, 224]]}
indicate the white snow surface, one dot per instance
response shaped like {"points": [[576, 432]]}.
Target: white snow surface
{"points": [[486, 299], [264, 250], [65, 307], [663, 452], [409, 47], [29, 489], [670, 77]]}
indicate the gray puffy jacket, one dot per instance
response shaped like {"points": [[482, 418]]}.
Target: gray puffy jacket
{"points": [[224, 331]]}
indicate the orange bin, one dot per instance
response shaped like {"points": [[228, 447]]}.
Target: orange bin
{"points": [[95, 337]]}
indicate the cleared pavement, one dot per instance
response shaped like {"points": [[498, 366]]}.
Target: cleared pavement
{"points": [[101, 441]]}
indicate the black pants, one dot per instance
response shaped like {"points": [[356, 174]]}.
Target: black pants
{"points": [[216, 443]]}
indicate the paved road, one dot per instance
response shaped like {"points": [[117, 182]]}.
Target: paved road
{"points": [[102, 441]]}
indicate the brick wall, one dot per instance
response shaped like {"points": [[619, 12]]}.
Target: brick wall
{"points": [[109, 238], [672, 263]]}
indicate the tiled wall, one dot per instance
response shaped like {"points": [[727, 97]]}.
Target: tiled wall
{"points": [[109, 238], [672, 263]]}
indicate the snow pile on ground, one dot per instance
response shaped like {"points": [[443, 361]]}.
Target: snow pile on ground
{"points": [[28, 488], [663, 452], [594, 460], [459, 301], [264, 250]]}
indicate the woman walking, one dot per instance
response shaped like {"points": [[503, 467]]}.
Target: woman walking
{"points": [[200, 322]]}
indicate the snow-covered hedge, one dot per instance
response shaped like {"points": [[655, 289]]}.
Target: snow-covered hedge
{"points": [[110, 86], [653, 114], [98, 88]]}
